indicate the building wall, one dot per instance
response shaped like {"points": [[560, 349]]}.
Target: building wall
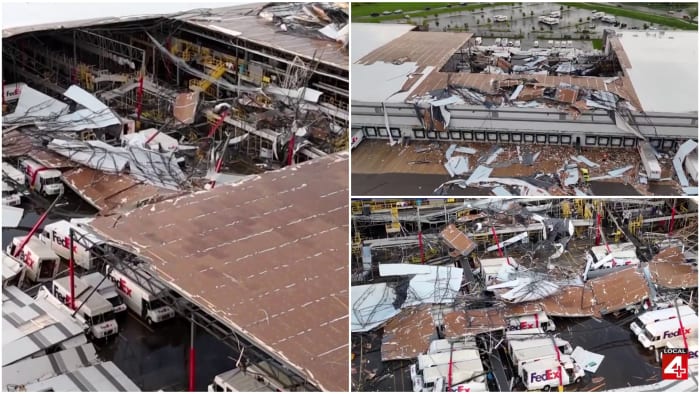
{"points": [[529, 126]]}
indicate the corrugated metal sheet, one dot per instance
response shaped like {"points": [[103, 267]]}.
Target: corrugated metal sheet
{"points": [[267, 256]]}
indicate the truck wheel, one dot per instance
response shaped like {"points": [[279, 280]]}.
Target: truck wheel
{"points": [[149, 321], [546, 388], [578, 380]]}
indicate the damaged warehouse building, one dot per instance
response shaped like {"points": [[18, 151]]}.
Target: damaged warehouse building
{"points": [[157, 105], [473, 295], [175, 200], [617, 121]]}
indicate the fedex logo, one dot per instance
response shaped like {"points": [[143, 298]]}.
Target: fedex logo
{"points": [[461, 389], [671, 334], [546, 376], [63, 241], [27, 258], [693, 354], [121, 285], [522, 326]]}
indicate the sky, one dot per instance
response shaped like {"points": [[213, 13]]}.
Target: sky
{"points": [[17, 14]]}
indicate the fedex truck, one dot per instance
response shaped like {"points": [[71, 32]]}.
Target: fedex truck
{"points": [[107, 289], [57, 235], [95, 313], [544, 374], [521, 357], [139, 298], [647, 318], [536, 320], [41, 179], [656, 335], [600, 259], [517, 345], [40, 262], [10, 196]]}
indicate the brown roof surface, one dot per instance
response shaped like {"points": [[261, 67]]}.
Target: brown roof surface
{"points": [[619, 50], [408, 334], [257, 30], [483, 82], [268, 257], [14, 144], [572, 301], [668, 271], [110, 192], [473, 321], [619, 289], [457, 240], [422, 48], [50, 159]]}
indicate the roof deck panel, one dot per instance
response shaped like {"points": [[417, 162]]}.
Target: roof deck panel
{"points": [[267, 256]]}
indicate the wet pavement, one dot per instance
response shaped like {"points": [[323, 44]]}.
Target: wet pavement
{"points": [[403, 184]]}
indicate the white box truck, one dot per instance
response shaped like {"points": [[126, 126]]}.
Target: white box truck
{"points": [[10, 196], [650, 317], [521, 357], [107, 289], [517, 345], [544, 374], [95, 313], [139, 297], [57, 235], [649, 160], [536, 320], [41, 263], [41, 179], [656, 335]]}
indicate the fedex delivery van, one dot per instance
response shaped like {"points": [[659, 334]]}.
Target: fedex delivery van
{"points": [[517, 345], [40, 262], [139, 298], [657, 334], [41, 179], [646, 318], [544, 374], [107, 289], [57, 235], [521, 357], [536, 320], [95, 313]]}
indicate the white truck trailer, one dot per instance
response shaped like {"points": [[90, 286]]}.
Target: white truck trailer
{"points": [[95, 313], [138, 297], [41, 263]]}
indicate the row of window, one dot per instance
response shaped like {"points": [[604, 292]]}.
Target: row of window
{"points": [[515, 137]]}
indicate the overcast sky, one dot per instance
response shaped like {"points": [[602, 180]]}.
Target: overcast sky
{"points": [[16, 14]]}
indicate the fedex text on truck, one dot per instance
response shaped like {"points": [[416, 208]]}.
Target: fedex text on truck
{"points": [[544, 377], [671, 334]]}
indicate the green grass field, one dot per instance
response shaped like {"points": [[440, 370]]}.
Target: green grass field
{"points": [[661, 20], [361, 12]]}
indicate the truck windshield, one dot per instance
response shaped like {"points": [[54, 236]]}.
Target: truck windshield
{"points": [[155, 304], [647, 334], [115, 301], [52, 181], [47, 268], [8, 192], [102, 318]]}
